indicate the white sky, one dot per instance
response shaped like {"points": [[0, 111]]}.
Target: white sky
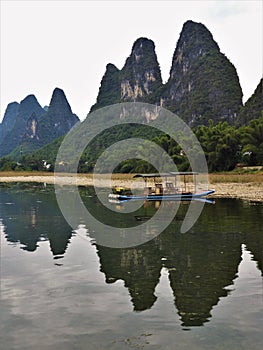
{"points": [[67, 44]]}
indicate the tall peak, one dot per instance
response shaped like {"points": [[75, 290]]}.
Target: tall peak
{"points": [[194, 42], [109, 91], [203, 83], [139, 79], [58, 119], [143, 43], [10, 113], [199, 35], [29, 105], [59, 103], [141, 75], [24, 110], [143, 52], [29, 98], [8, 119]]}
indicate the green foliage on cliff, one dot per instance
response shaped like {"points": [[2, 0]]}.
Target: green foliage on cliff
{"points": [[139, 79], [203, 83], [253, 108], [13, 137], [109, 92]]}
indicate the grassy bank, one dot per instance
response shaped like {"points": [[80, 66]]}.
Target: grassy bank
{"points": [[24, 173], [236, 178], [230, 177], [247, 186]]}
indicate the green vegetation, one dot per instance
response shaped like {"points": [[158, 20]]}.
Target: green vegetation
{"points": [[253, 106], [109, 92], [203, 83], [225, 146]]}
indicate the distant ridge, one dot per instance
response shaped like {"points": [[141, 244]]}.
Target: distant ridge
{"points": [[17, 123], [27, 126]]}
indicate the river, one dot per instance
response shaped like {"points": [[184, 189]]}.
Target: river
{"points": [[60, 289]]}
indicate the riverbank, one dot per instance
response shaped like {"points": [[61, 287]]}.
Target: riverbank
{"points": [[228, 185]]}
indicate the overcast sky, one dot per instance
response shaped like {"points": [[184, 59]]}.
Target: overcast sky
{"points": [[67, 44]]}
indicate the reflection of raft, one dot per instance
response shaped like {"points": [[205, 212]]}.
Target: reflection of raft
{"points": [[142, 218], [163, 188]]}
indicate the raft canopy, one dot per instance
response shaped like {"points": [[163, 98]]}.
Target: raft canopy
{"points": [[170, 174]]}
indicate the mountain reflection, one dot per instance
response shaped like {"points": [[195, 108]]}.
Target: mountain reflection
{"points": [[139, 268], [32, 216], [199, 270], [201, 263]]}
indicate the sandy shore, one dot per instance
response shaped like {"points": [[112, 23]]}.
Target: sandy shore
{"points": [[246, 191], [252, 191]]}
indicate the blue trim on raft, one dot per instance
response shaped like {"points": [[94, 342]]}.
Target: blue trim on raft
{"points": [[154, 197], [200, 199]]}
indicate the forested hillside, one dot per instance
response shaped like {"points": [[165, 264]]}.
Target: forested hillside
{"points": [[224, 146]]}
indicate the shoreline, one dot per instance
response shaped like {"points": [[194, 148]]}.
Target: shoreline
{"points": [[250, 191]]}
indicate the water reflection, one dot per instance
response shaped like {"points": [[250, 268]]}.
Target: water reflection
{"points": [[199, 268], [201, 264], [30, 215]]}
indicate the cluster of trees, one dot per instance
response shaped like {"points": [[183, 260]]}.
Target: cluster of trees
{"points": [[225, 146], [26, 163]]}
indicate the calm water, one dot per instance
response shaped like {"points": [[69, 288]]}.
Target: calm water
{"points": [[59, 290]]}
